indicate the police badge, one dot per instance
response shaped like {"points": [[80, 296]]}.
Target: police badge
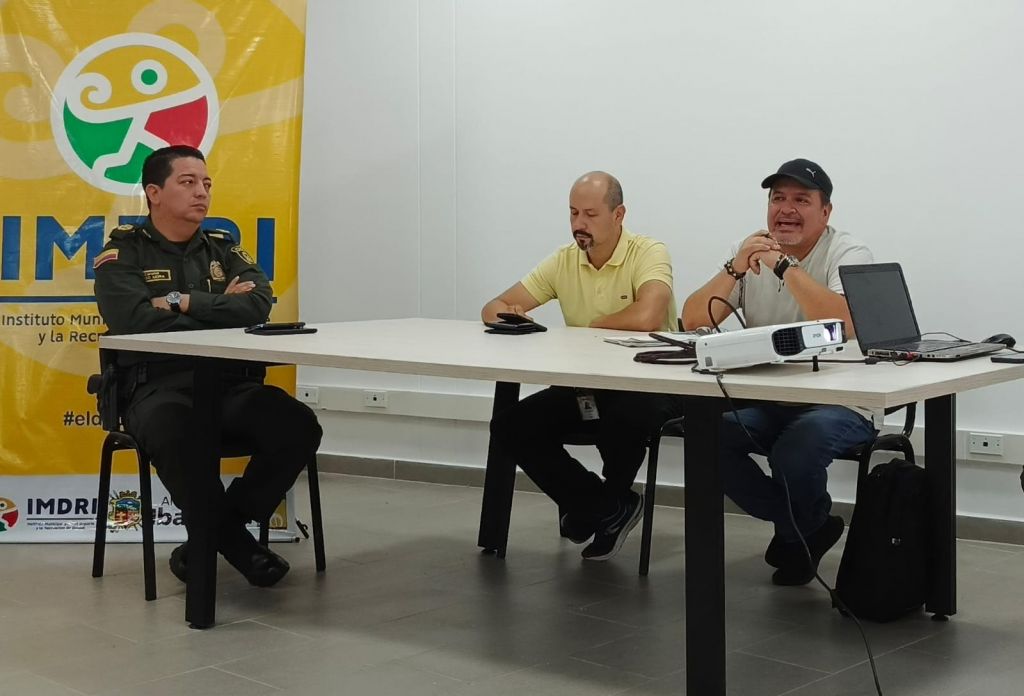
{"points": [[217, 271]]}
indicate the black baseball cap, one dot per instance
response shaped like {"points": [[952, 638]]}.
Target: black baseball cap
{"points": [[805, 172]]}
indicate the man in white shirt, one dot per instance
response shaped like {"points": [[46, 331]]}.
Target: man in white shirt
{"points": [[787, 273]]}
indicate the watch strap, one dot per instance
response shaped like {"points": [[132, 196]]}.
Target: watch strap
{"points": [[784, 264]]}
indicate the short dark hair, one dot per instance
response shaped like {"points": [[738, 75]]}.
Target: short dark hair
{"points": [[157, 166], [613, 196]]}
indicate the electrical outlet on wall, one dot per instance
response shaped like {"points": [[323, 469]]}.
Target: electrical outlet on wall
{"points": [[375, 399], [985, 443], [307, 394]]}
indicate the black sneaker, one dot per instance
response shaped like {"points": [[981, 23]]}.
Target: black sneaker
{"points": [[794, 569], [573, 531], [612, 534]]}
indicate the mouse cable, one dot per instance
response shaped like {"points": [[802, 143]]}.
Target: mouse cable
{"points": [[946, 333]]}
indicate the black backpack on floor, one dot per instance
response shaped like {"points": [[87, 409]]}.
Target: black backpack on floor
{"points": [[885, 569]]}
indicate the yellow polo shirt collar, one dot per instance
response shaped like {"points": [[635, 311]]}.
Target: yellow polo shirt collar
{"points": [[618, 256]]}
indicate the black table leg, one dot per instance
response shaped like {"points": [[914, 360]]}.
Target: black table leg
{"points": [[940, 467], [499, 482], [705, 550], [201, 590]]}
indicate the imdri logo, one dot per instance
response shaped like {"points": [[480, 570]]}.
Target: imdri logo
{"points": [[125, 510], [124, 97], [8, 514]]}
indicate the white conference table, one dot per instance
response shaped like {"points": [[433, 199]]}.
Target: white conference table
{"points": [[578, 357]]}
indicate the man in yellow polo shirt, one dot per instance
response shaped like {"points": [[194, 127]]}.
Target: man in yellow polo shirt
{"points": [[607, 278]]}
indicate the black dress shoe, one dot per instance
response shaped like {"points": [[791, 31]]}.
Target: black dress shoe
{"points": [[795, 569], [177, 562], [263, 568], [260, 566], [773, 555]]}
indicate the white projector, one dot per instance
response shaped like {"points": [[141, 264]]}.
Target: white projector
{"points": [[770, 344]]}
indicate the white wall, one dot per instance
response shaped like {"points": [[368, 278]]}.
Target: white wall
{"points": [[441, 137]]}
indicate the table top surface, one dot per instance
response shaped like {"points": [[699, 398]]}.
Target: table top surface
{"points": [[569, 357]]}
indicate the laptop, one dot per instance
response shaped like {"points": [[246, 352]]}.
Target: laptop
{"points": [[884, 320]]}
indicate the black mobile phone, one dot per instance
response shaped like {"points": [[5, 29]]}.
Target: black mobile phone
{"points": [[514, 318], [277, 326], [272, 328], [508, 328], [1016, 358]]}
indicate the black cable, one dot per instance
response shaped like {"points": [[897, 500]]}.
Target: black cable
{"points": [[666, 357], [728, 304], [945, 333], [871, 360], [803, 542], [953, 336]]}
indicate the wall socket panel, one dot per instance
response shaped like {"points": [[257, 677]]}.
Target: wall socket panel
{"points": [[375, 399], [307, 395], [985, 443]]}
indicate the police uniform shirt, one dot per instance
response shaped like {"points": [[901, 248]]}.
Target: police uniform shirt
{"points": [[139, 264]]}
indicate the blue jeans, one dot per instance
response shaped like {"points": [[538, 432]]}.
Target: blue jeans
{"points": [[802, 441]]}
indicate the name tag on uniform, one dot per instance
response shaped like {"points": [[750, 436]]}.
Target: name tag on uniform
{"points": [[588, 406], [157, 276]]}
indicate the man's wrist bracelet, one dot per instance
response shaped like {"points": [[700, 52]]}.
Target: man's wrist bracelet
{"points": [[732, 271]]}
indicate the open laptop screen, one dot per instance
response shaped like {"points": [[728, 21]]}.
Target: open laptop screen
{"points": [[879, 304]]}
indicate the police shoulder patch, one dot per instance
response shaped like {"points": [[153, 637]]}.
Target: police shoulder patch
{"points": [[242, 254], [105, 256], [122, 231]]}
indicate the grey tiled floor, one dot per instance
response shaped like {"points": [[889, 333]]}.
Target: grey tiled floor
{"points": [[408, 606]]}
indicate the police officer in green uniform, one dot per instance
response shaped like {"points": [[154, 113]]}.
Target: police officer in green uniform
{"points": [[170, 275]]}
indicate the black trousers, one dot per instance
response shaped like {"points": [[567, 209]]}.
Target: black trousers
{"points": [[534, 432], [280, 433]]}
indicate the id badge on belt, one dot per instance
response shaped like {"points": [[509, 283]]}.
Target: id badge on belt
{"points": [[587, 403]]}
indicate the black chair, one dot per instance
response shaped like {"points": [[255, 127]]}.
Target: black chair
{"points": [[890, 442], [105, 387]]}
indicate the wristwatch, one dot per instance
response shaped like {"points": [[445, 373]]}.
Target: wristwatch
{"points": [[174, 301], [784, 264]]}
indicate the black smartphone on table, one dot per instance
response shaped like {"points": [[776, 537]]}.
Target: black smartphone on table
{"points": [[280, 328], [510, 318]]}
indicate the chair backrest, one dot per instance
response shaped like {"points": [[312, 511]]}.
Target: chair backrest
{"points": [[908, 423]]}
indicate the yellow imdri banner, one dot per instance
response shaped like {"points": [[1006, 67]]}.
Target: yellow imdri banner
{"points": [[87, 90]]}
